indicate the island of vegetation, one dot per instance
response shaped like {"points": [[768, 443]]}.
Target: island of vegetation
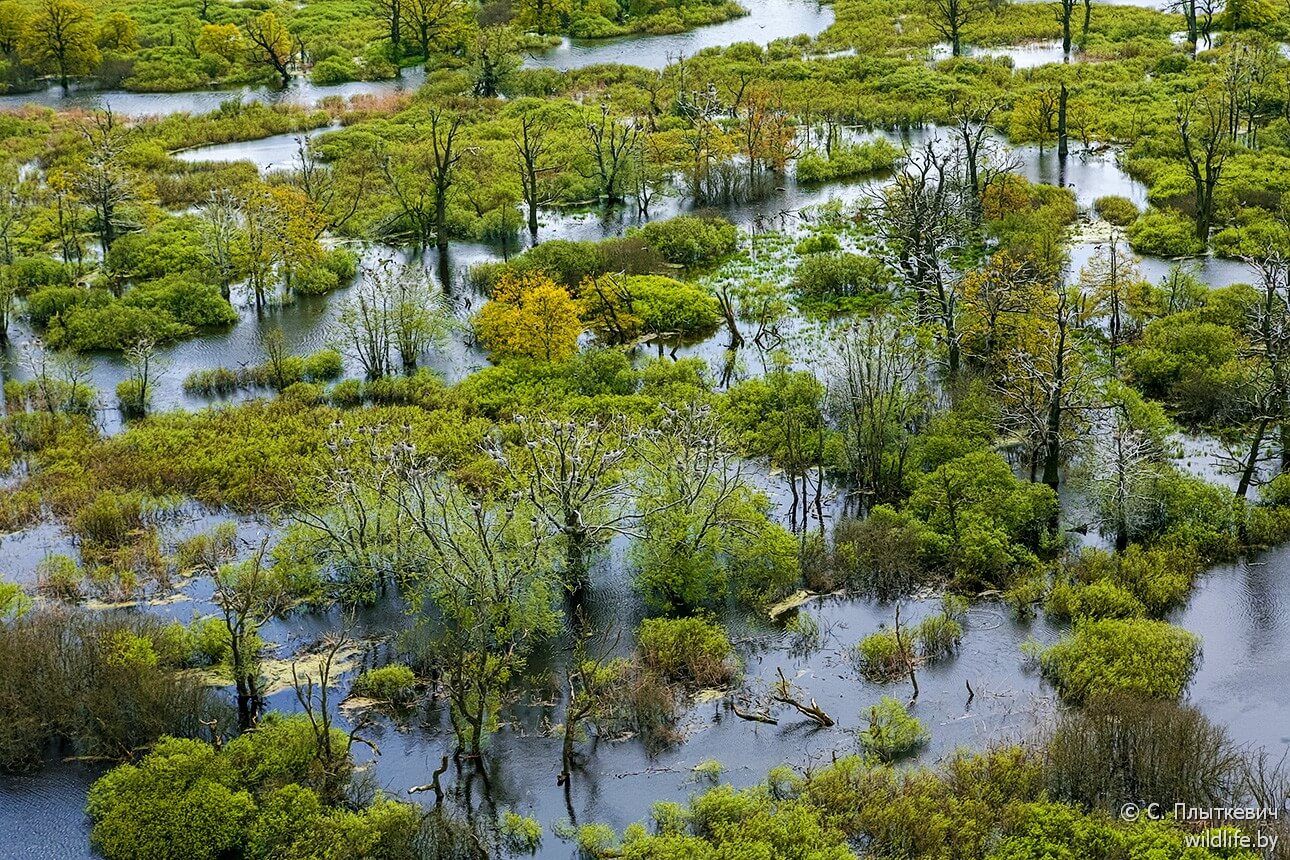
{"points": [[820, 449]]}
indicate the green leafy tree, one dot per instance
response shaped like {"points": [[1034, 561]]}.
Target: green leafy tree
{"points": [[59, 38]]}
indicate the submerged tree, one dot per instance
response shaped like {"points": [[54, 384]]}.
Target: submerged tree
{"points": [[102, 181], [248, 594], [573, 473], [922, 219], [487, 580], [1202, 123], [879, 397], [610, 142], [394, 310]]}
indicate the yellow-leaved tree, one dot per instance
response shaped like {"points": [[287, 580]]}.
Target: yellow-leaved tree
{"points": [[529, 316]]}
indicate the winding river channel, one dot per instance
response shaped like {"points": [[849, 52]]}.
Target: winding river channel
{"points": [[1242, 611]]}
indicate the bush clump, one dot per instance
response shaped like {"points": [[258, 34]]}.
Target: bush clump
{"points": [[1119, 211], [1165, 234], [1112, 655], [847, 161], [395, 684], [840, 275], [689, 240], [693, 651], [893, 732], [882, 656]]}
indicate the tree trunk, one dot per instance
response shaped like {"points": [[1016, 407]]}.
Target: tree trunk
{"points": [[1252, 459], [1062, 145]]}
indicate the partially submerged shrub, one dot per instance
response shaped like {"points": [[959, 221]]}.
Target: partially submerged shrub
{"points": [[1149, 658], [1120, 211], [883, 656], [937, 636], [692, 651], [689, 240], [893, 732], [395, 684]]}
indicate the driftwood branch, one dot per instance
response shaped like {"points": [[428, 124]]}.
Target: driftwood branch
{"points": [[783, 693], [755, 716]]}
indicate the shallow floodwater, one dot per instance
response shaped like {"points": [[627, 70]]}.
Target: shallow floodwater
{"points": [[300, 92], [1028, 56], [309, 321], [768, 20], [1242, 613]]}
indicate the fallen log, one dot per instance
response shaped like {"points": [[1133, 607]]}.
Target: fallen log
{"points": [[783, 691]]}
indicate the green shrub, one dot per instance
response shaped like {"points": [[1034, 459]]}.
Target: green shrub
{"points": [[48, 302], [1148, 658], [837, 274], [882, 658], [1165, 234], [33, 273], [667, 305], [215, 381], [1160, 578], [1120, 211], [112, 326], [1105, 599], [881, 555], [694, 651], [133, 399], [847, 161], [522, 835], [57, 576], [937, 636], [333, 70], [817, 243], [689, 240], [564, 261], [395, 684], [893, 732]]}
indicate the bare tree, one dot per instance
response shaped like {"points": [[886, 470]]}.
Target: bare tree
{"points": [[534, 163], [1045, 386], [248, 596], [921, 219], [321, 183], [333, 760], [220, 227], [1064, 12], [611, 140], [878, 397], [1124, 467], [971, 116], [1202, 124], [103, 182], [444, 157], [573, 473], [1107, 279], [146, 367], [588, 684], [394, 309]]}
